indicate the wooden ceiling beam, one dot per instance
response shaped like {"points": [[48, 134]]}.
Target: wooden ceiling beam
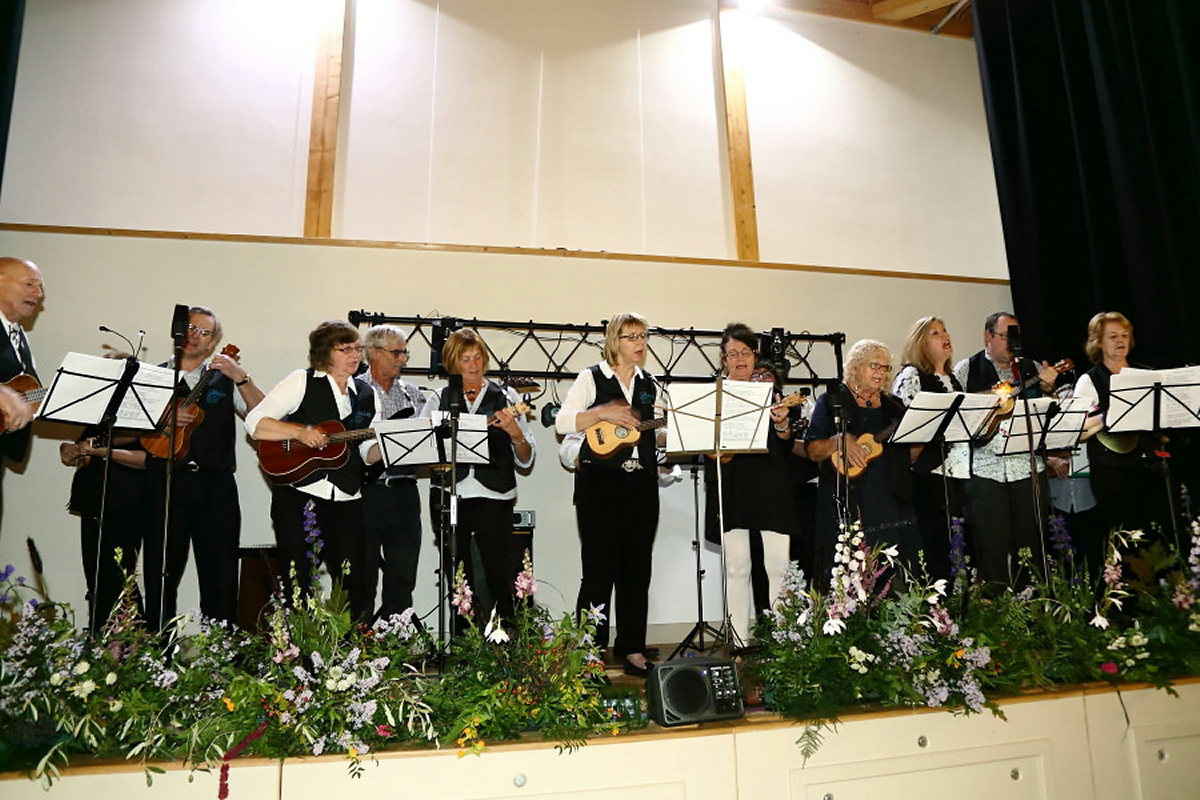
{"points": [[900, 10]]}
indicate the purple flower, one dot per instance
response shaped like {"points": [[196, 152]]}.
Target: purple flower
{"points": [[958, 546], [1060, 539]]}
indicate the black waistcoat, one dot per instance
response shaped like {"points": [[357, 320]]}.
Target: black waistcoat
{"points": [[320, 405], [499, 473], [644, 393]]}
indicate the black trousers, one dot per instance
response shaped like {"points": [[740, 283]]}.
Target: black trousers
{"points": [[342, 548], [490, 523], [617, 514], [392, 520], [205, 515], [125, 529], [1003, 520]]}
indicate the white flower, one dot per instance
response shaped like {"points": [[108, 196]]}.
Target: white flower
{"points": [[833, 626], [84, 689], [82, 667], [56, 679], [110, 679], [893, 552], [494, 633], [1099, 621]]}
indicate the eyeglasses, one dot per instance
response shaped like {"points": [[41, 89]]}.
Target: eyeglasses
{"points": [[395, 353], [634, 337], [885, 368], [739, 354], [349, 348], [201, 332]]}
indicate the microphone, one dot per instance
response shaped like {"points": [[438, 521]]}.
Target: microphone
{"points": [[1014, 340], [179, 323], [123, 337]]}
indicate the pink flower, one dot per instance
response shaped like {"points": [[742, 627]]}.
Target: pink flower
{"points": [[1108, 668], [384, 731], [462, 592], [525, 585]]}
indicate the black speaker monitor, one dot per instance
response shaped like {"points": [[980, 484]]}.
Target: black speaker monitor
{"points": [[689, 690]]}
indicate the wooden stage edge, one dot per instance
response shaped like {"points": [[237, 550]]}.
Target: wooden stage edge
{"points": [[754, 720]]}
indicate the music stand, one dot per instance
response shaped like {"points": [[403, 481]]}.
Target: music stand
{"points": [[724, 418], [89, 390], [458, 438], [948, 418], [1036, 427], [1142, 401]]}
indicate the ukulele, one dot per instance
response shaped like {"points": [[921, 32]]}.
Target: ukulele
{"points": [[289, 461], [30, 390], [158, 442], [608, 438], [1008, 399], [872, 448]]}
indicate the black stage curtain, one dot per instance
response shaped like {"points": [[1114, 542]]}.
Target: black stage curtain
{"points": [[12, 17], [1093, 110]]}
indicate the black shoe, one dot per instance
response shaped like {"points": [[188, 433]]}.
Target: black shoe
{"points": [[636, 671], [650, 652]]}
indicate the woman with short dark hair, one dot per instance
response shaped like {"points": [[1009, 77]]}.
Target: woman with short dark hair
{"points": [[293, 410]]}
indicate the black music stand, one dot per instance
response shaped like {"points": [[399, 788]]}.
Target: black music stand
{"points": [[109, 393], [725, 418], [1151, 401]]}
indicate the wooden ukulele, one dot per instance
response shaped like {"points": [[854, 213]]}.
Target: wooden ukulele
{"points": [[30, 390], [1008, 399], [158, 442], [872, 448], [289, 461], [608, 438]]}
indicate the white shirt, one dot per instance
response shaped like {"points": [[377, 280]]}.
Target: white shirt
{"points": [[8, 326], [957, 463], [987, 461], [285, 398], [580, 397], [469, 486]]}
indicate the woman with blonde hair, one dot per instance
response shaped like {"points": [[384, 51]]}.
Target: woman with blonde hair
{"points": [[928, 358], [616, 493]]}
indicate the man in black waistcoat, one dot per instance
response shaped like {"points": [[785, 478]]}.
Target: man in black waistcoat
{"points": [[204, 499], [20, 298], [1000, 499]]}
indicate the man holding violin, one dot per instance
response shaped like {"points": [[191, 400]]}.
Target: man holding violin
{"points": [[204, 499], [1000, 498]]}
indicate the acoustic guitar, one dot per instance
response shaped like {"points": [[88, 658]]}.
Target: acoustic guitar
{"points": [[30, 390], [158, 441], [289, 461]]}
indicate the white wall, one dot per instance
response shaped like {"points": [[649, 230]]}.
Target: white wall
{"points": [[532, 123], [270, 295]]}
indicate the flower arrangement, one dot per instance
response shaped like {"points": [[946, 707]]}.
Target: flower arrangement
{"points": [[530, 673], [887, 636]]}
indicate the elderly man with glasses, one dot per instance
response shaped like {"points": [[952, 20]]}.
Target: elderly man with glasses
{"points": [[391, 503]]}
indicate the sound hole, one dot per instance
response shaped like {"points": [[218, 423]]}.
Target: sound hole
{"points": [[688, 691]]}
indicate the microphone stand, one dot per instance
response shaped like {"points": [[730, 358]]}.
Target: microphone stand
{"points": [[107, 423], [449, 514], [841, 486], [179, 330]]}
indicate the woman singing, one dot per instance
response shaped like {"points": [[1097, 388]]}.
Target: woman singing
{"points": [[756, 493], [937, 485], [616, 494], [486, 492], [326, 391], [880, 497]]}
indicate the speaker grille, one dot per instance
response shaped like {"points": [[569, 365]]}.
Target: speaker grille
{"points": [[690, 690]]}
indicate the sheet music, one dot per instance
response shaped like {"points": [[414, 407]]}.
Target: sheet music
{"points": [[472, 438], [745, 418], [1017, 440], [1131, 399], [1067, 425], [407, 442], [926, 411], [83, 385]]}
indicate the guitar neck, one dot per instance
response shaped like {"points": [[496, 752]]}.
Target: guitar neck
{"points": [[650, 424], [351, 436]]}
